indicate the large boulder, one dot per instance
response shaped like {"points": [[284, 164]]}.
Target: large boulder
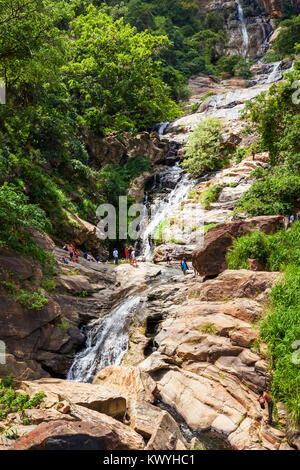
{"points": [[90, 396], [210, 259], [62, 435], [131, 382]]}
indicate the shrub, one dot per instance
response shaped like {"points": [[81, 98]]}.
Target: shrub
{"points": [[275, 252], [278, 193], [203, 148]]}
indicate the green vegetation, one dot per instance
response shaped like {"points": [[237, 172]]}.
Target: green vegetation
{"points": [[288, 38], [33, 300], [281, 326], [12, 401], [203, 151], [281, 331], [278, 191], [211, 195], [275, 252]]}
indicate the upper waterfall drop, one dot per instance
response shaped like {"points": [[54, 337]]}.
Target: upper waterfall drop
{"points": [[245, 34]]}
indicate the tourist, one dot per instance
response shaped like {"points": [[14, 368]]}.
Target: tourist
{"points": [[65, 260], [168, 257], [133, 258], [264, 397], [97, 258], [130, 253], [76, 256], [116, 256], [127, 254], [184, 266], [292, 220]]}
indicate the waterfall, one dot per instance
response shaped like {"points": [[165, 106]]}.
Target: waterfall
{"points": [[164, 205], [162, 128], [244, 28], [107, 342], [276, 73]]}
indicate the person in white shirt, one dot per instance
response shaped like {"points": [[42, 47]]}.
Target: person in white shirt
{"points": [[116, 256]]}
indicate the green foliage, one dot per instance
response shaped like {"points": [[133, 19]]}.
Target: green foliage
{"points": [[278, 110], [114, 78], [288, 37], [234, 65], [31, 300], [276, 193], [280, 330], [275, 252], [211, 195], [13, 401], [203, 150]]}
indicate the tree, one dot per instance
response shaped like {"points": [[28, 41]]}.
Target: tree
{"points": [[114, 77], [203, 150]]}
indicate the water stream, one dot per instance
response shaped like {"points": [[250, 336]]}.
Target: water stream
{"points": [[106, 344], [244, 27], [163, 204]]}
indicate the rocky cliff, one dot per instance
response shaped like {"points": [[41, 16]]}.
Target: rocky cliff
{"points": [[274, 7]]}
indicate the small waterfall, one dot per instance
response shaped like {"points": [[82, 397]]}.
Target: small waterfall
{"points": [[162, 128], [276, 73], [161, 208], [107, 342], [244, 27]]}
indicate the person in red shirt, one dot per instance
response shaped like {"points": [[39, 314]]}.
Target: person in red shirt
{"points": [[127, 255], [264, 397]]}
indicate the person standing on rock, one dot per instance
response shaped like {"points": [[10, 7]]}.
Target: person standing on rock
{"points": [[184, 266], [264, 397], [127, 254], [168, 257], [116, 256]]}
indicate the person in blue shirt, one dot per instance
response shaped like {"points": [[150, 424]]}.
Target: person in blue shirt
{"points": [[116, 256], [184, 266]]}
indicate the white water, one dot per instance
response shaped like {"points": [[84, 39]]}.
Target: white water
{"points": [[276, 74], [244, 27], [162, 208], [107, 342], [162, 128]]}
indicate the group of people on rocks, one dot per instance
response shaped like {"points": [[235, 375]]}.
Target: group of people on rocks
{"points": [[74, 255], [130, 255]]}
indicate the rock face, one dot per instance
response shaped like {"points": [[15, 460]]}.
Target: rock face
{"points": [[274, 7], [45, 340], [211, 258], [256, 20], [114, 150]]}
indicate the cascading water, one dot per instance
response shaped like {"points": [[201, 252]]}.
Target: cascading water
{"points": [[107, 342], [244, 27], [276, 73], [162, 128], [162, 207]]}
